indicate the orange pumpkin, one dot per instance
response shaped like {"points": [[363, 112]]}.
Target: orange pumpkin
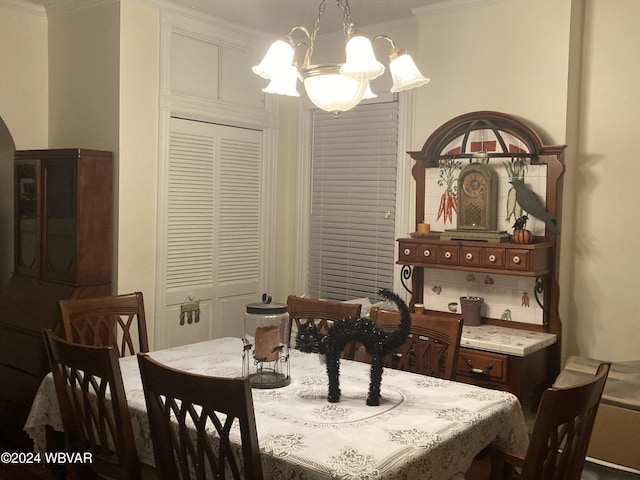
{"points": [[522, 236]]}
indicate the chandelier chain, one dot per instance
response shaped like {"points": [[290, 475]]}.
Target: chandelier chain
{"points": [[347, 23], [316, 27]]}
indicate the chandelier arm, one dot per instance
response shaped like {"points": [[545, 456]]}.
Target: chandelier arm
{"points": [[395, 51], [295, 45], [302, 28], [385, 37]]}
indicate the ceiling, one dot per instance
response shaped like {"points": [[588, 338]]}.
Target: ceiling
{"points": [[278, 16]]}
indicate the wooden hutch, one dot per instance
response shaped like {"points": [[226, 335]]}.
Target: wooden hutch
{"points": [[62, 249], [527, 372]]}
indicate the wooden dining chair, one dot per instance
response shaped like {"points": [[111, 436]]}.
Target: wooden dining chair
{"points": [[191, 419], [322, 313], [93, 408], [107, 321], [560, 435], [432, 347]]}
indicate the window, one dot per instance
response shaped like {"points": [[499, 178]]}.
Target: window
{"points": [[353, 201]]}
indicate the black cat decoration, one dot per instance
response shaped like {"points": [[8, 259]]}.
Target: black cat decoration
{"points": [[377, 343]]}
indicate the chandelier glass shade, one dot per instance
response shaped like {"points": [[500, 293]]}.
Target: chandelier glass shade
{"points": [[361, 63], [333, 87], [330, 90]]}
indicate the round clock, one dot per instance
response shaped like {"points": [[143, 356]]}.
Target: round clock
{"points": [[477, 198], [474, 184]]}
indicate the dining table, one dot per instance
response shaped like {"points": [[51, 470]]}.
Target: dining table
{"points": [[424, 428]]}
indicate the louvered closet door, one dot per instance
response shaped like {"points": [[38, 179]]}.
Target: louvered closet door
{"points": [[212, 231]]}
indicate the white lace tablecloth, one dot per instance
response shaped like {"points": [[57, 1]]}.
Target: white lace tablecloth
{"points": [[424, 427]]}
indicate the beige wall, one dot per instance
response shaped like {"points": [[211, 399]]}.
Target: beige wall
{"points": [[83, 77], [286, 200], [24, 78], [508, 56], [138, 149], [603, 298], [23, 106]]}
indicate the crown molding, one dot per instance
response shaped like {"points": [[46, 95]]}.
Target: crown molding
{"points": [[24, 6], [61, 7], [452, 6]]}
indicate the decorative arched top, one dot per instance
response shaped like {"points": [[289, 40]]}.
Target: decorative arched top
{"points": [[468, 135], [513, 150]]}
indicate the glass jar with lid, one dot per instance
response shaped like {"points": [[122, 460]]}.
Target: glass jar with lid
{"points": [[265, 356]]}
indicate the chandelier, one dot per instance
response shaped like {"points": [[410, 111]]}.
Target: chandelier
{"points": [[334, 87]]}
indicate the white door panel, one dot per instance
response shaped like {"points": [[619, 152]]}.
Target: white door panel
{"points": [[195, 329], [210, 229], [232, 311]]}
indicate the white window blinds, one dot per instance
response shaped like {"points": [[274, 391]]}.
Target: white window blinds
{"points": [[353, 197]]}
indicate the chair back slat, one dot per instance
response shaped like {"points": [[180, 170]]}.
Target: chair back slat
{"points": [[118, 321], [432, 347], [322, 313], [93, 406], [563, 426], [200, 425]]}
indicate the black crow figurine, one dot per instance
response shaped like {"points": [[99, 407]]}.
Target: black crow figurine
{"points": [[531, 203], [521, 223]]}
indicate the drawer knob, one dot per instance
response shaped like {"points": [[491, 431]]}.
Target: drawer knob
{"points": [[407, 251], [492, 258], [479, 371], [469, 256], [516, 259], [427, 253], [447, 255]]}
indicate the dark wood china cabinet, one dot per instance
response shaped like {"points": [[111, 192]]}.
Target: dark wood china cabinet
{"points": [[62, 249], [499, 142]]}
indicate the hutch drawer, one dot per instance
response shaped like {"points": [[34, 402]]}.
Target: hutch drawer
{"points": [[524, 376], [408, 252], [448, 254], [505, 258], [484, 366]]}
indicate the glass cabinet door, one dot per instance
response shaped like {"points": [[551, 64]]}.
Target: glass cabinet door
{"points": [[59, 246], [28, 207]]}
